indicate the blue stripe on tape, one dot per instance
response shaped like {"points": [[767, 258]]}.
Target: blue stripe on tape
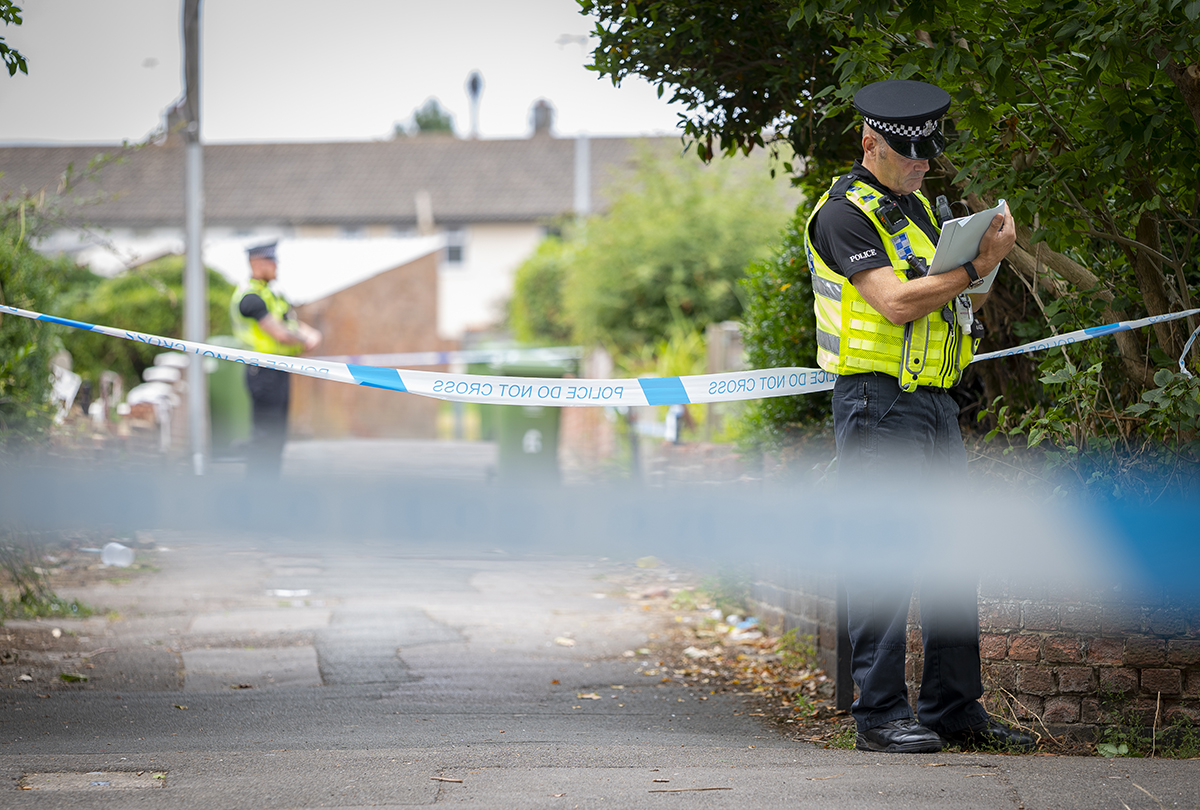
{"points": [[67, 322], [375, 377], [664, 391], [1097, 331]]}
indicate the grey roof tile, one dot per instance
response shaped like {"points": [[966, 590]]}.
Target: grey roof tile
{"points": [[345, 183]]}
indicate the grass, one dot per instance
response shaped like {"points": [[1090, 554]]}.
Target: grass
{"points": [[797, 652], [34, 599], [1127, 738], [845, 739]]}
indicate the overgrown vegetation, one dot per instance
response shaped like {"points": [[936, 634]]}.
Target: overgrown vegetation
{"points": [[1129, 735], [779, 330], [796, 651], [148, 298], [21, 563], [663, 262], [28, 280], [1083, 115]]}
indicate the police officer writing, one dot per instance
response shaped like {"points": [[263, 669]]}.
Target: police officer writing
{"points": [[265, 321], [898, 338]]}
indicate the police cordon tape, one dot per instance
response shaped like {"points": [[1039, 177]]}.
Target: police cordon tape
{"points": [[725, 387]]}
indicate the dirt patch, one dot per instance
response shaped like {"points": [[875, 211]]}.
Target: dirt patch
{"points": [[696, 646]]}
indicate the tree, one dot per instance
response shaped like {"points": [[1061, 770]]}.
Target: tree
{"points": [[30, 281], [13, 60], [149, 299], [665, 258], [746, 78], [1083, 114], [429, 119], [535, 311]]}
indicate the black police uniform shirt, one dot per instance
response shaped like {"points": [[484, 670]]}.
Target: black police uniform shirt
{"points": [[267, 386], [252, 306], [846, 238]]}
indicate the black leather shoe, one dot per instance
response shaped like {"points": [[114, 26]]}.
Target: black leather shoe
{"points": [[899, 737], [991, 734]]}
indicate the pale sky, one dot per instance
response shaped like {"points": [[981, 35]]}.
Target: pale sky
{"points": [[274, 70]]}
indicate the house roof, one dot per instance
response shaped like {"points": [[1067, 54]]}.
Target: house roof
{"points": [[346, 184]]}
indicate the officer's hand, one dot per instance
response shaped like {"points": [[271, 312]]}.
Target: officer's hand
{"points": [[310, 336], [997, 242]]}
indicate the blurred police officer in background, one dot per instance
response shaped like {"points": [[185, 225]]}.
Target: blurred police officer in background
{"points": [[899, 338], [265, 322]]}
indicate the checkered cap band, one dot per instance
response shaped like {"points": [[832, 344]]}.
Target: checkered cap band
{"points": [[903, 130]]}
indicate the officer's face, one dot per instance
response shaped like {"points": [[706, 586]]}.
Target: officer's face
{"points": [[263, 269], [902, 175]]}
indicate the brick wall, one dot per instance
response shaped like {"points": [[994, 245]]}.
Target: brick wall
{"points": [[1076, 661], [1072, 661], [806, 601], [394, 311]]}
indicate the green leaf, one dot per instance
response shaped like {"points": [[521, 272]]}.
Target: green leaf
{"points": [[1163, 377]]}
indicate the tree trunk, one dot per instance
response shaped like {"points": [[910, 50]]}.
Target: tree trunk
{"points": [[1148, 271], [1133, 358], [1187, 79]]}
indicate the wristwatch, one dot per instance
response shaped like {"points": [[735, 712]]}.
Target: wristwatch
{"points": [[973, 274]]}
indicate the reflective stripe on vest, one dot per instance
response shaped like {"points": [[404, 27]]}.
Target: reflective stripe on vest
{"points": [[249, 331], [853, 338]]}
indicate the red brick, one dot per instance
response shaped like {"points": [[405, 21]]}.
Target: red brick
{"points": [[1106, 651], [1039, 617], [1080, 618], [993, 646], [1167, 623], [1179, 714], [992, 587], [1000, 676], [1000, 616], [1021, 588], [1089, 711], [1029, 706], [1164, 681], [1036, 680], [1121, 680], [1191, 684], [1063, 650], [1183, 653], [1076, 679], [1061, 710], [914, 640], [1145, 710], [1145, 652], [1024, 647], [1121, 619]]}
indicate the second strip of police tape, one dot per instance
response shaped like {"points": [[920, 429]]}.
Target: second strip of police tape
{"points": [[728, 386]]}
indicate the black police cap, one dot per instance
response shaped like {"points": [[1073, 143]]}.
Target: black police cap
{"points": [[907, 114], [266, 251]]}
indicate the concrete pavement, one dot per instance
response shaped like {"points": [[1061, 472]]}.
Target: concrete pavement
{"points": [[264, 672]]}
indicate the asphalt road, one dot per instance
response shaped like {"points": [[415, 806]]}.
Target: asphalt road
{"points": [[272, 672]]}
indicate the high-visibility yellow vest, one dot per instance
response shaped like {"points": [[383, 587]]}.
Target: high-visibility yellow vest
{"points": [[248, 330], [853, 338]]}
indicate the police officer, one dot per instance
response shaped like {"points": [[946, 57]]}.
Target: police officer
{"points": [[265, 321], [899, 338]]}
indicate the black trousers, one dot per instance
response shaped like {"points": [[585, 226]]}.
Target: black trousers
{"points": [[270, 393], [888, 438]]}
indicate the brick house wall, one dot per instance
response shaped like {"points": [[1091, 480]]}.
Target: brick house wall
{"points": [[394, 311]]}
